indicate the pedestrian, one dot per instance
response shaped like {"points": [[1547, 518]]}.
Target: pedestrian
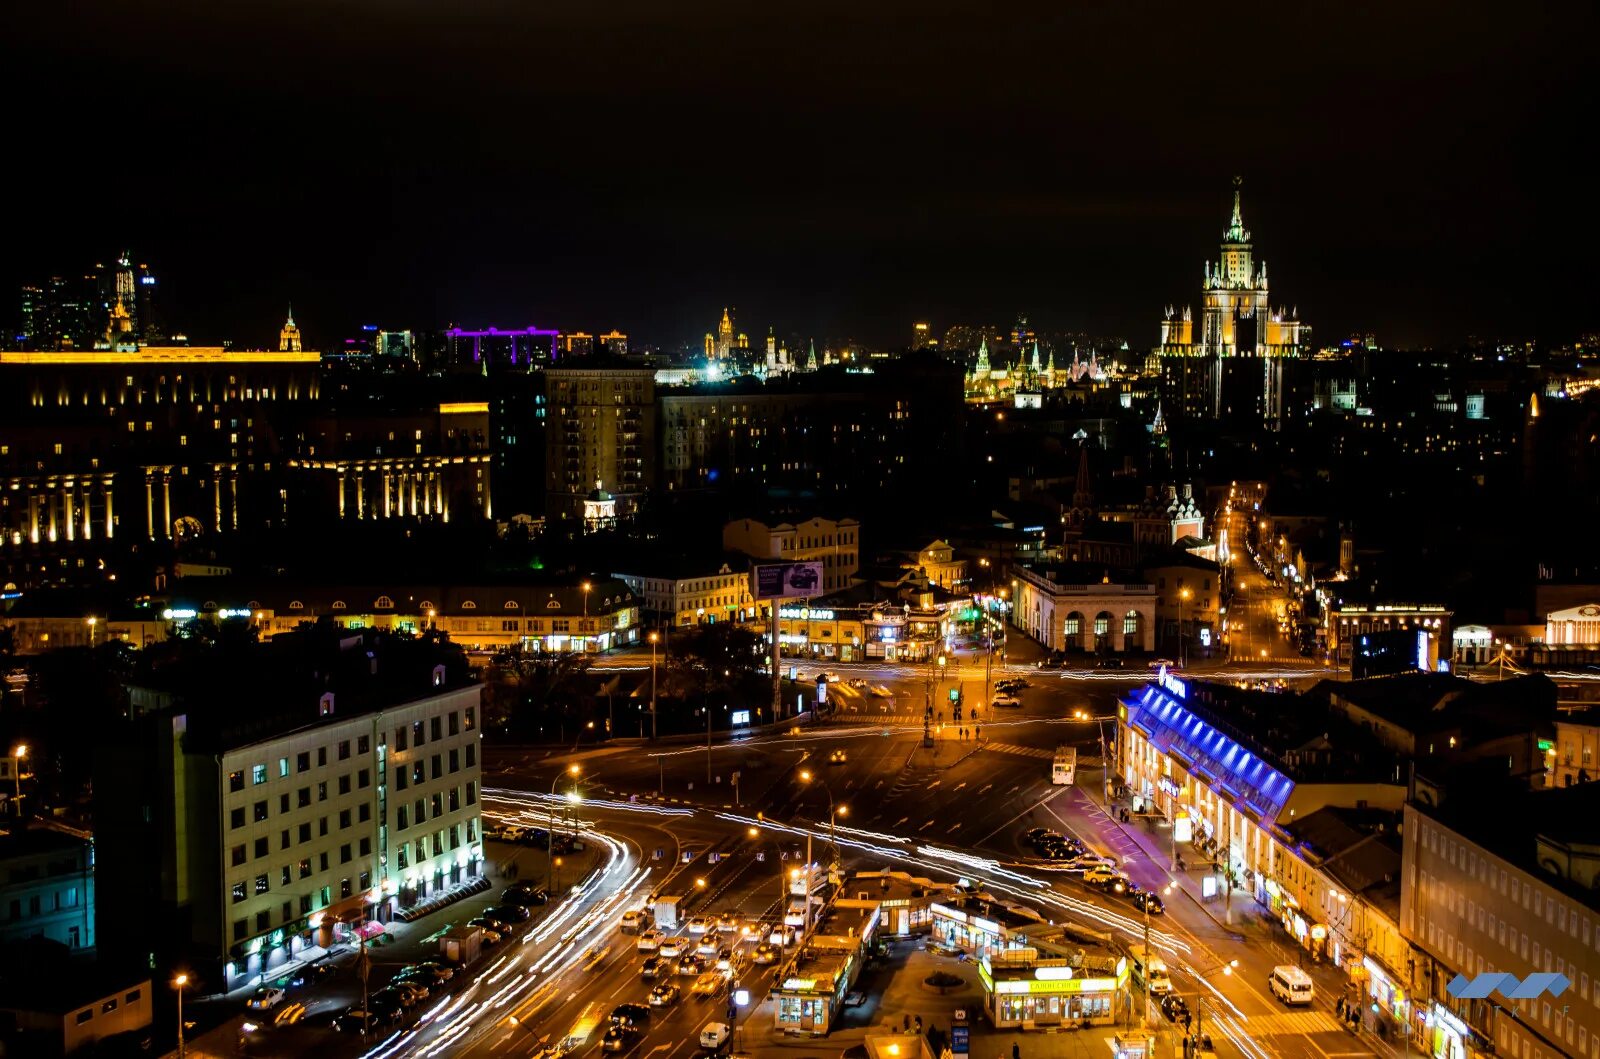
{"points": [[905, 1022], [1338, 1007], [1016, 1050], [919, 1024]]}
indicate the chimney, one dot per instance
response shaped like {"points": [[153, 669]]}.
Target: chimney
{"points": [[438, 676], [325, 707]]}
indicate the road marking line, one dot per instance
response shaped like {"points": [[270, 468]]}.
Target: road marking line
{"points": [[927, 825], [900, 821], [985, 788], [955, 827]]}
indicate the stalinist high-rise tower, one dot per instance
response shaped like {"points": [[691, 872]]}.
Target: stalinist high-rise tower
{"points": [[1236, 368]]}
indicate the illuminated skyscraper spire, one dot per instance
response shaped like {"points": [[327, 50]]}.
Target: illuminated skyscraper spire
{"points": [[1236, 232], [289, 335], [982, 368], [1035, 365], [811, 357]]}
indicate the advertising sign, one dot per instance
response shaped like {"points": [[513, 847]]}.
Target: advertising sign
{"points": [[960, 1040], [785, 580]]}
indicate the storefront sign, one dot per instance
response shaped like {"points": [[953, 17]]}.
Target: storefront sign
{"points": [[953, 913], [1052, 974], [988, 925], [960, 1040], [741, 716], [1208, 886], [1182, 828], [1071, 985]]}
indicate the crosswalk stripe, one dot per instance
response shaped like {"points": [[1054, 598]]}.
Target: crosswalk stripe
{"points": [[1297, 1022]]}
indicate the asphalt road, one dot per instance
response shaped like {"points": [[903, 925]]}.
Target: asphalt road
{"points": [[955, 809]]}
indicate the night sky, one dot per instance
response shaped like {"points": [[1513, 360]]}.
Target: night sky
{"points": [[838, 170]]}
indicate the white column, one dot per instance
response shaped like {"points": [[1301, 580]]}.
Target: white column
{"points": [[361, 494], [233, 495], [149, 507], [67, 513], [216, 498], [166, 502], [111, 520], [388, 494], [341, 492]]}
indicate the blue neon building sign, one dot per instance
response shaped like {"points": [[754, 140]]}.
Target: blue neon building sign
{"points": [[1226, 764]]}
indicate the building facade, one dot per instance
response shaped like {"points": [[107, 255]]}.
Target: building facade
{"points": [[557, 617], [835, 543], [1470, 908], [717, 592], [277, 834], [1247, 352], [601, 434], [1069, 608], [47, 888]]}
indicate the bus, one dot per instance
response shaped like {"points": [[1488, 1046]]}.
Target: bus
{"points": [[1065, 766]]}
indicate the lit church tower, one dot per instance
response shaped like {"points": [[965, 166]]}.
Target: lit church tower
{"points": [[289, 335]]}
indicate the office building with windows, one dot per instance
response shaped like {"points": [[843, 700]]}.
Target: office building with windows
{"points": [[282, 796]]}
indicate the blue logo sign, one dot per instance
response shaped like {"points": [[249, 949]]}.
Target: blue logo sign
{"points": [[1509, 986], [960, 1038]]}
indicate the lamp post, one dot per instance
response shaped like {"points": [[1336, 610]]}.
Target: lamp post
{"points": [[18, 754], [1165, 890], [573, 770], [584, 628], [1183, 655], [178, 983], [92, 622], [655, 732]]}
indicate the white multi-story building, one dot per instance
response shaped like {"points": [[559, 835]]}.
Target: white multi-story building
{"points": [[1505, 885], [253, 836], [682, 592]]}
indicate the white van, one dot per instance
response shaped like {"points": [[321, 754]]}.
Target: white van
{"points": [[1150, 969], [1290, 984], [714, 1036]]}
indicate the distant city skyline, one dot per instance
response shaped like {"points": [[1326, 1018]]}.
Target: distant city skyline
{"points": [[948, 166]]}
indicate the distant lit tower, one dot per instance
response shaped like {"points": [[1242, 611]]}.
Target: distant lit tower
{"points": [[980, 371], [144, 307], [120, 335], [811, 357], [772, 352], [289, 335], [1234, 368], [725, 336], [921, 335]]}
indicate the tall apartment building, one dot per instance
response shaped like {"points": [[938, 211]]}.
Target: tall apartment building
{"points": [[1505, 884], [835, 543], [601, 429], [266, 799]]}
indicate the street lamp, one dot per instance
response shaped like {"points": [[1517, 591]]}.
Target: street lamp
{"points": [[18, 753], [1183, 655], [573, 798], [91, 631], [178, 983]]}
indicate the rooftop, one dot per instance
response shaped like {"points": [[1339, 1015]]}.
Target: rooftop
{"points": [[235, 694], [1432, 702]]}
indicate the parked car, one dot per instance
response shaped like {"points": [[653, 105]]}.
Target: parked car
{"points": [[265, 999], [1109, 662], [523, 895], [664, 995], [508, 913], [1005, 702], [1158, 664], [1013, 684], [359, 1020], [1104, 877], [487, 924], [389, 1000], [838, 757], [311, 974]]}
